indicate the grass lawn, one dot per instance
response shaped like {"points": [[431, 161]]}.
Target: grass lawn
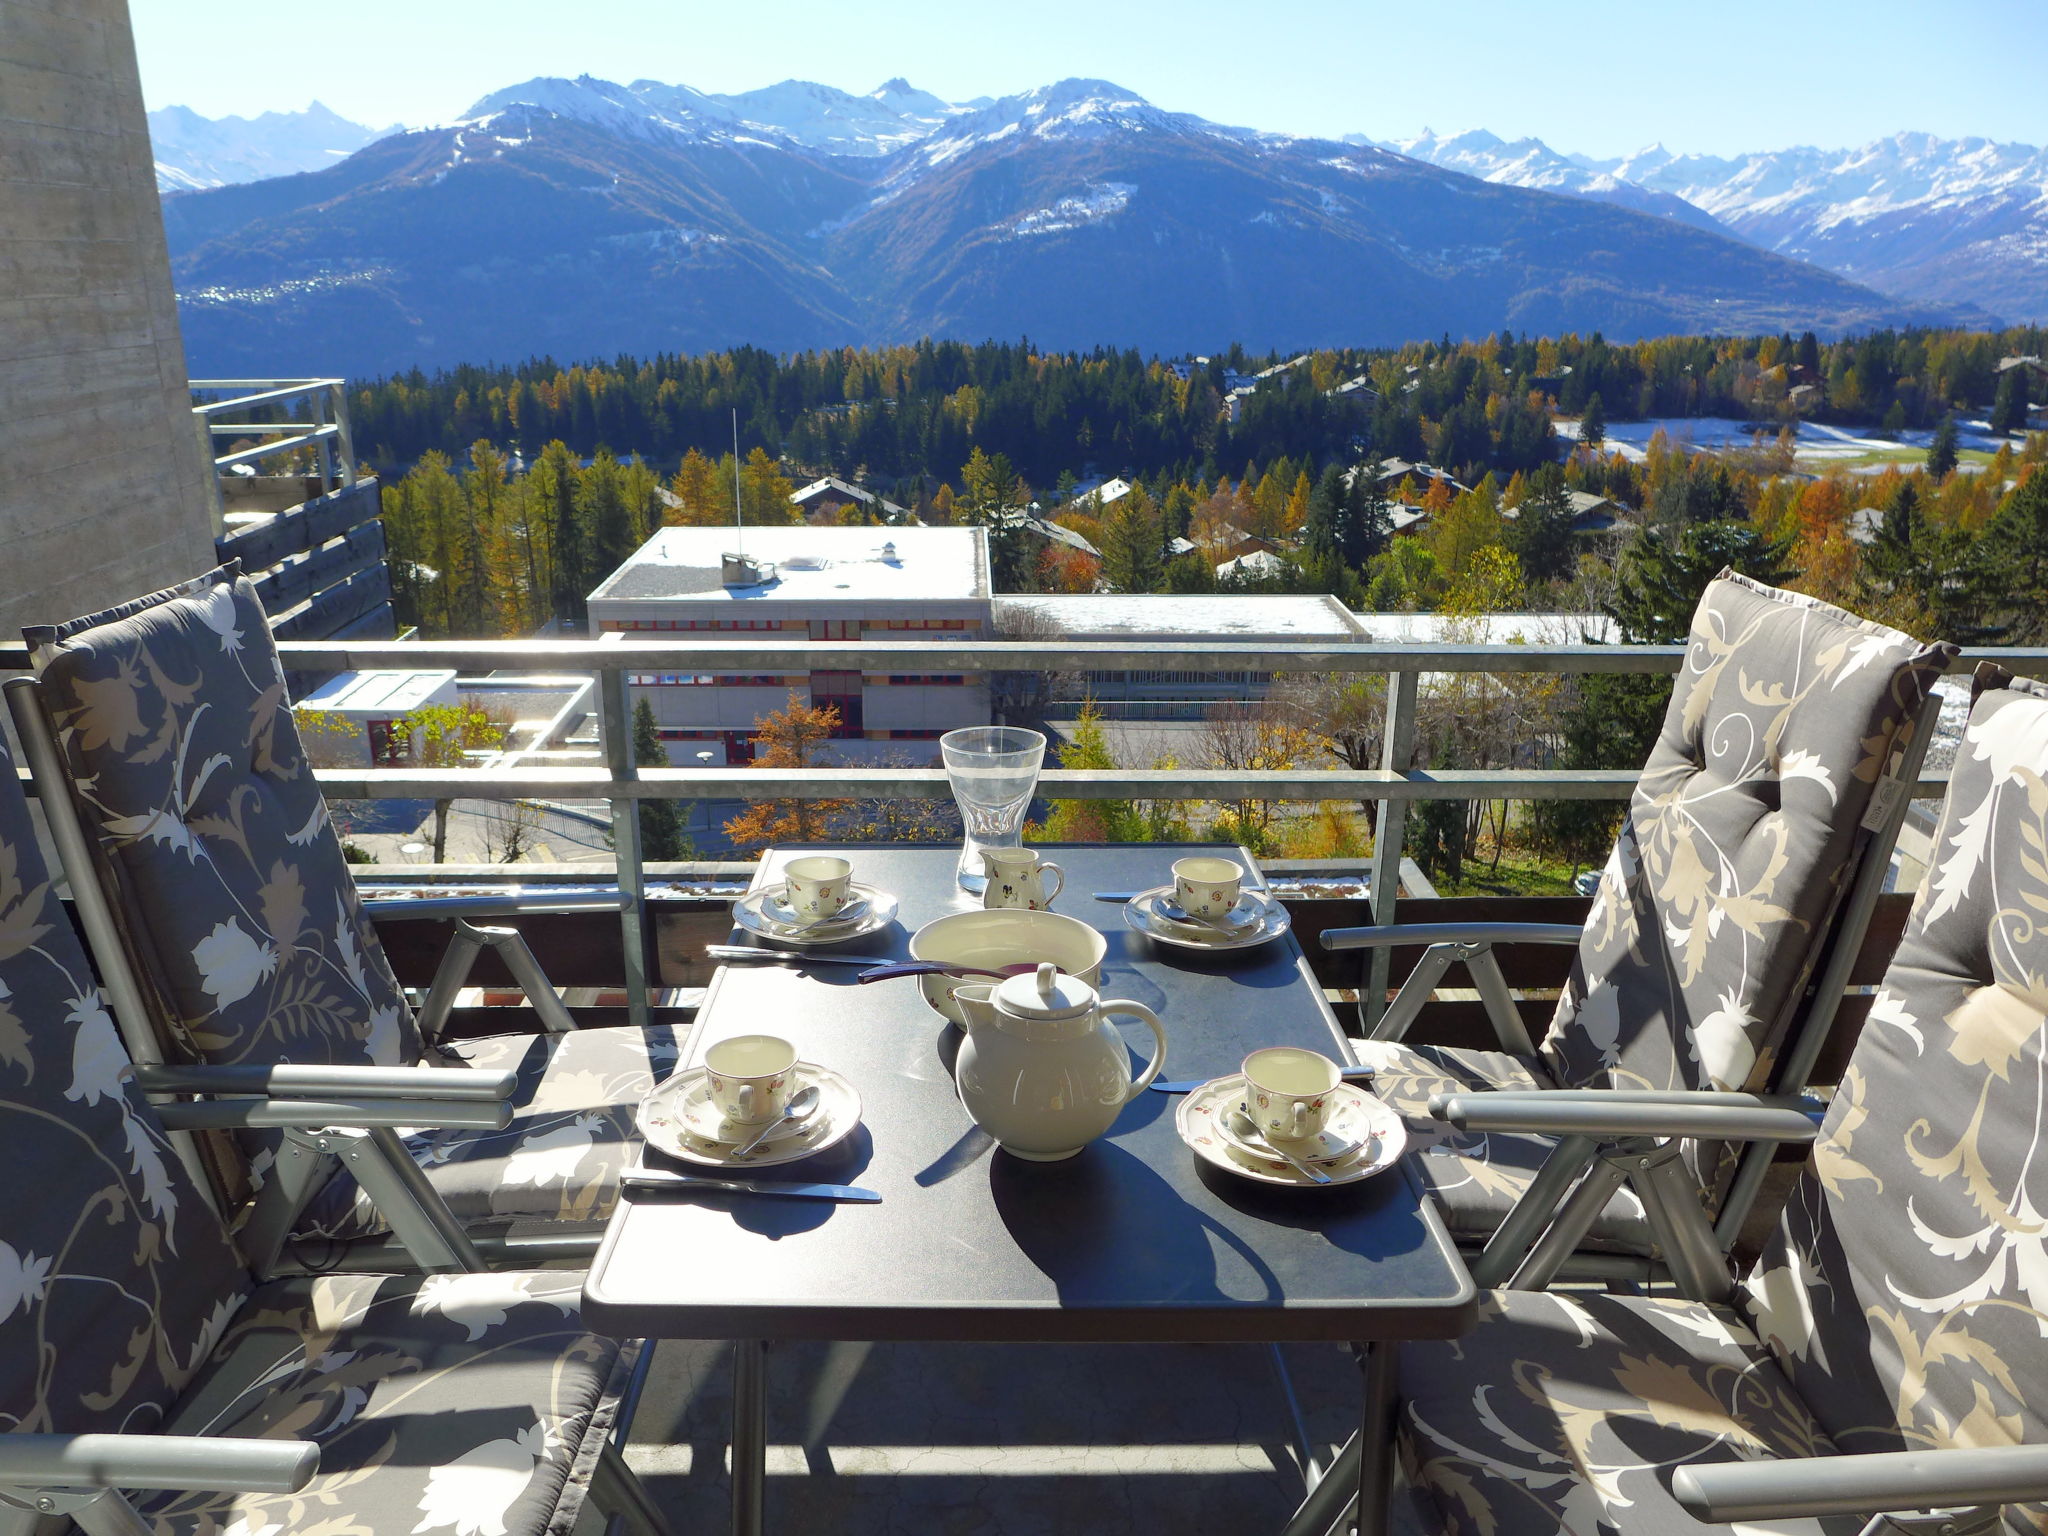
{"points": [[1521, 873]]}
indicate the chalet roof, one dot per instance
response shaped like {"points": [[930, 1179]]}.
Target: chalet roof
{"points": [[833, 485]]}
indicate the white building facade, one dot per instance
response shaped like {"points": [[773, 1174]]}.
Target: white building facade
{"points": [[804, 583]]}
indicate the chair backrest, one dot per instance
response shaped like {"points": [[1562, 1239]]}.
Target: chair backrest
{"points": [[1739, 841], [187, 762], [1906, 1289], [116, 1276]]}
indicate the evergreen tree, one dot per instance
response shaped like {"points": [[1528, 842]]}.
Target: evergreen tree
{"points": [[554, 492], [602, 511], [1661, 577], [2007, 573], [1541, 534], [1133, 544], [1369, 524], [1941, 453], [993, 498], [663, 839], [2009, 407], [1329, 512], [1593, 422]]}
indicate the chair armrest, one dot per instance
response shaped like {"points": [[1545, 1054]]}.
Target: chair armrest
{"points": [[312, 1114], [350, 1082], [1888, 1482], [199, 1462], [1387, 935], [397, 908], [1592, 1116]]}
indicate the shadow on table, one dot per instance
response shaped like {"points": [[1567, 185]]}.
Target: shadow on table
{"points": [[1104, 1227], [775, 1216]]}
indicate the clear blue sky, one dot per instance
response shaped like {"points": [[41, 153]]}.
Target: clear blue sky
{"points": [[1602, 78]]}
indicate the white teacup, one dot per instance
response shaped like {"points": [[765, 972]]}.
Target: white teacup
{"points": [[1286, 1091], [816, 887], [1016, 878], [751, 1077], [1205, 887]]}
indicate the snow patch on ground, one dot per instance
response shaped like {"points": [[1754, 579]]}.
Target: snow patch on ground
{"points": [[1097, 203]]}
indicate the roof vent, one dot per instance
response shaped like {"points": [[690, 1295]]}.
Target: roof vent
{"points": [[889, 552], [744, 570]]}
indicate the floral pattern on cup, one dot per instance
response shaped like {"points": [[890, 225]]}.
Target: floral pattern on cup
{"points": [[750, 1076], [1287, 1091], [1207, 887], [816, 887]]}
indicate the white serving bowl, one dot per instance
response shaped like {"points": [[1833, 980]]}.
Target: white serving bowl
{"points": [[1000, 936]]}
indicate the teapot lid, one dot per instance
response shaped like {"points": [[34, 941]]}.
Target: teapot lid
{"points": [[1047, 993]]}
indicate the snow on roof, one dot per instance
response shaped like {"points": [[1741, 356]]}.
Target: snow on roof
{"points": [[1183, 616], [811, 565], [385, 691], [1492, 629], [820, 486], [1059, 534], [1257, 562]]}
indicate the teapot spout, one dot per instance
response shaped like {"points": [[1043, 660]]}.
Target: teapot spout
{"points": [[977, 1004]]}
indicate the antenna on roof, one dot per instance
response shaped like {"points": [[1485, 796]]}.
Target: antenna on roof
{"points": [[739, 522]]}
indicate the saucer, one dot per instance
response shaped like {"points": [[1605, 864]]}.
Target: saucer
{"points": [[1248, 911], [877, 910], [678, 1118], [775, 908], [1268, 920], [1354, 1115]]}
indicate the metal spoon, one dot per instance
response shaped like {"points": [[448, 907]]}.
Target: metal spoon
{"points": [[801, 1106], [1245, 1128]]}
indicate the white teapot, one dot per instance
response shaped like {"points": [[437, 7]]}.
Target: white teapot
{"points": [[1042, 1069]]}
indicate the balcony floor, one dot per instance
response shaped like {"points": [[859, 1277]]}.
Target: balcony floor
{"points": [[1003, 1440]]}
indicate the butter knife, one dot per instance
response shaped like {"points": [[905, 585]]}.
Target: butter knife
{"points": [[788, 956], [661, 1178], [1189, 1085]]}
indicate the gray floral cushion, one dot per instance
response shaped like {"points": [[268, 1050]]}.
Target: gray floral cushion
{"points": [[561, 1157], [468, 1404], [1907, 1288], [1903, 1302], [1568, 1414], [1478, 1176], [1738, 842], [174, 718], [115, 1276]]}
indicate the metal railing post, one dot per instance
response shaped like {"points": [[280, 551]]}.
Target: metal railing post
{"points": [[1397, 747], [321, 401], [344, 440], [615, 706]]}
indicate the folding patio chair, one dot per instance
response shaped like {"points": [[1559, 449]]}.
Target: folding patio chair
{"points": [[148, 1385], [1887, 1355], [1762, 825], [225, 918]]}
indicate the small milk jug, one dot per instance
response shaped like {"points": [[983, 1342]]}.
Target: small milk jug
{"points": [[1042, 1070]]}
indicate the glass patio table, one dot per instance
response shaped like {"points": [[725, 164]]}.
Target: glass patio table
{"points": [[1133, 1239]]}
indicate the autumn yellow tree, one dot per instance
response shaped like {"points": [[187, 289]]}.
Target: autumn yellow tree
{"points": [[794, 736]]}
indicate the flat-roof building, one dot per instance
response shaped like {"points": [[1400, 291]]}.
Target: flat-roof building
{"points": [[805, 583], [1145, 619]]}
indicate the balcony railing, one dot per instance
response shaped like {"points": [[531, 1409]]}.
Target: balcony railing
{"points": [[623, 785], [253, 407]]}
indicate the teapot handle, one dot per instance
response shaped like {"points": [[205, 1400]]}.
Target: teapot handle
{"points": [[1144, 1079]]}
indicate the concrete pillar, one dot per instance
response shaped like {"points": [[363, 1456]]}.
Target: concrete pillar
{"points": [[104, 483]]}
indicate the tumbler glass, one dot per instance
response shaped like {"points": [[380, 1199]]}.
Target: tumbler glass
{"points": [[993, 769]]}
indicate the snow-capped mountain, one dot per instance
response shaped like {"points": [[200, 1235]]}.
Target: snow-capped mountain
{"points": [[584, 217], [1948, 220], [193, 151]]}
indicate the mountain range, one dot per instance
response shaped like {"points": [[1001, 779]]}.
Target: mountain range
{"points": [[193, 151], [584, 217], [1946, 221]]}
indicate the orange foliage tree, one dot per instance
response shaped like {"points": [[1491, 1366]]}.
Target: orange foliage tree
{"points": [[792, 737]]}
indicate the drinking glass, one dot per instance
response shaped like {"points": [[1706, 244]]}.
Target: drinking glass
{"points": [[993, 769]]}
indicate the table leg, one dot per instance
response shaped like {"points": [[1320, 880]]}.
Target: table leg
{"points": [[1360, 1477], [749, 1435]]}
